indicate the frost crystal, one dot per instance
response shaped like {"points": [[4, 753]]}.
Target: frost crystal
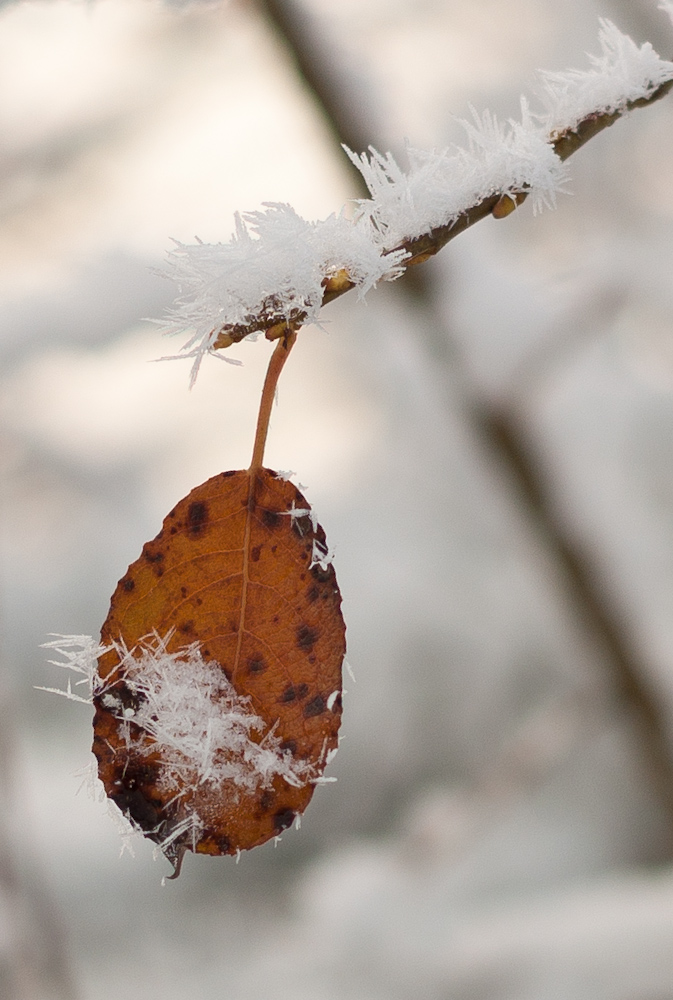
{"points": [[622, 73], [275, 264], [440, 186], [188, 711], [275, 267]]}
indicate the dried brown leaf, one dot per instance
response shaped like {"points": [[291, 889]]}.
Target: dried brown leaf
{"points": [[233, 569]]}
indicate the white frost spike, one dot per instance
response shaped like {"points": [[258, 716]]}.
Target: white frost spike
{"points": [[275, 265], [440, 186], [331, 701], [189, 711], [276, 261], [80, 654], [623, 72]]}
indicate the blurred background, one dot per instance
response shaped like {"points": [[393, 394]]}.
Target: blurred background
{"points": [[488, 443]]}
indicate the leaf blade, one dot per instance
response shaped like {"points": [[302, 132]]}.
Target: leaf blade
{"points": [[231, 570]]}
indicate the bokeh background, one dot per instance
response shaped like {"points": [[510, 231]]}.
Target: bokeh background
{"points": [[488, 443]]}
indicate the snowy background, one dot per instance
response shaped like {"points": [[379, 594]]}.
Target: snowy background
{"points": [[502, 826]]}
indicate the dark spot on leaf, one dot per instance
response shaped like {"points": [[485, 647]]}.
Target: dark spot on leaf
{"points": [[290, 745], [307, 637], [320, 537], [128, 699], [282, 819], [266, 800], [224, 844], [128, 584], [197, 516], [187, 627], [136, 774], [273, 548], [254, 553], [133, 803], [256, 664], [231, 472], [301, 525], [206, 653], [174, 530], [312, 594], [199, 601], [171, 513], [155, 559], [322, 574], [270, 519], [132, 797], [292, 693], [183, 591], [311, 658], [316, 706]]}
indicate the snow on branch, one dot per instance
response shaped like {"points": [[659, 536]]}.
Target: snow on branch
{"points": [[622, 74], [278, 269], [273, 270], [438, 187]]}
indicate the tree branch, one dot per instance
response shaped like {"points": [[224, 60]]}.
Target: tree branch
{"points": [[275, 324]]}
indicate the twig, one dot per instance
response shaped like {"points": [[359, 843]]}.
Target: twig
{"points": [[421, 248]]}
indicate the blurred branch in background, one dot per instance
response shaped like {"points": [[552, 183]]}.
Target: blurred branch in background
{"points": [[498, 426], [318, 66]]}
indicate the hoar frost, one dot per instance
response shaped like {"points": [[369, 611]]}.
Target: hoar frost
{"points": [[621, 74], [183, 707], [275, 267]]}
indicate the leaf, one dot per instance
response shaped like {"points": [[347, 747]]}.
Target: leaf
{"points": [[219, 700]]}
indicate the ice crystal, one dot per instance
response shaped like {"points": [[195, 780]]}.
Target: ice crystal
{"points": [[187, 710], [275, 266], [622, 73], [440, 186], [276, 263]]}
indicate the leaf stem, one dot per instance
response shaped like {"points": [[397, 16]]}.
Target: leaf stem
{"points": [[276, 364]]}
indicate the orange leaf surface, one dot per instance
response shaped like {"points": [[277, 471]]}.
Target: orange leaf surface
{"points": [[220, 693]]}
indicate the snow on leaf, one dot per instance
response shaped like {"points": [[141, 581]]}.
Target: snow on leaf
{"points": [[217, 692]]}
